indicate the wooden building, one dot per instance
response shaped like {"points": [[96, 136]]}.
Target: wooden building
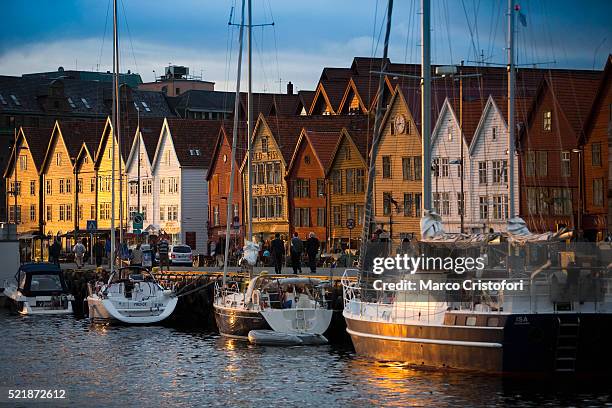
{"points": [[398, 179], [306, 179], [596, 148], [31, 147], [345, 190], [549, 151], [218, 179]]}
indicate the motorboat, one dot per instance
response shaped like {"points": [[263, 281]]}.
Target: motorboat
{"points": [[39, 289], [289, 305], [131, 296]]}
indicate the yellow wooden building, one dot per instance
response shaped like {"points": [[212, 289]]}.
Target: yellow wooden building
{"points": [[31, 147], [398, 180]]}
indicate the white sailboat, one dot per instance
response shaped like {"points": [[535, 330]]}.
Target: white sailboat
{"points": [[131, 295], [259, 313]]}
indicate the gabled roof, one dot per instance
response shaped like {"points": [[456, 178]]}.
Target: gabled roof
{"points": [[150, 130], [323, 144], [573, 93], [226, 134], [602, 89], [37, 140], [306, 98], [193, 141], [127, 132], [358, 138], [73, 135]]}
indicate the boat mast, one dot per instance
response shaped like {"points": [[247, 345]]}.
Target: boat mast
{"points": [[511, 118], [114, 121], [365, 232], [249, 123], [426, 103], [230, 194]]}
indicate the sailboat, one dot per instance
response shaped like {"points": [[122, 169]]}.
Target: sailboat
{"points": [[131, 295], [269, 310], [557, 322]]}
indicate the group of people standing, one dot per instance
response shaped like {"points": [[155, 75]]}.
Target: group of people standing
{"points": [[297, 248]]}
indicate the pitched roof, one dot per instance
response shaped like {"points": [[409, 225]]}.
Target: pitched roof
{"points": [[306, 98], [226, 134], [150, 130], [77, 133], [323, 144], [37, 140], [194, 140], [604, 86]]}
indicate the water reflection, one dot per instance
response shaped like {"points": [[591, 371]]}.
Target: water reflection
{"points": [[160, 366]]}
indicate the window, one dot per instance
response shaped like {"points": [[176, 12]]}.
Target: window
{"points": [[147, 187], [530, 164], [435, 167], [23, 162], [337, 217], [598, 192], [32, 212], [417, 204], [566, 170], [92, 212], [162, 186], [350, 181], [133, 188], [61, 186], [173, 184], [408, 203], [235, 211], [532, 200], [443, 166], [271, 206], [173, 212], [387, 200], [494, 133], [500, 171], [80, 185], [596, 154], [92, 185], [62, 212], [500, 207], [260, 175], [279, 206], [542, 163], [144, 104], [71, 103], [12, 217], [162, 214], [264, 144], [446, 203], [386, 166], [349, 211], [167, 157], [460, 203], [15, 100], [2, 100], [321, 217], [49, 213], [301, 188], [483, 207], [80, 212], [58, 159], [269, 173], [482, 172], [302, 217], [347, 152], [562, 202], [68, 186], [547, 120], [359, 210], [32, 187], [543, 200], [143, 210], [85, 103], [16, 188], [418, 169], [320, 188], [360, 180], [407, 168], [336, 180], [277, 173]]}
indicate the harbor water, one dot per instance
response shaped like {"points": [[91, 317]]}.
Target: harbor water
{"points": [[103, 366]]}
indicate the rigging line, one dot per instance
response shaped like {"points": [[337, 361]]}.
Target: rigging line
{"points": [[467, 18], [129, 35], [275, 46], [374, 28], [104, 35], [447, 24], [476, 11]]}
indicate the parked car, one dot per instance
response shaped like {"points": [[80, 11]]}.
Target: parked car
{"points": [[181, 254]]}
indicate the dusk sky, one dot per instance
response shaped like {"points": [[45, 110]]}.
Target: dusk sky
{"points": [[307, 36]]}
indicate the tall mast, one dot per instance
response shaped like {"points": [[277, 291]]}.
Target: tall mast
{"points": [[230, 194], [375, 141], [511, 118], [426, 103], [249, 123], [114, 121], [139, 136]]}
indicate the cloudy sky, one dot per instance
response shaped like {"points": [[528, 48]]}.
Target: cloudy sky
{"points": [[41, 35]]}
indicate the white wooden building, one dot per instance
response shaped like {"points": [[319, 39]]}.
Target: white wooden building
{"points": [[484, 139]]}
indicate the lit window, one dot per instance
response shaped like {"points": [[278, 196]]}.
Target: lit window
{"points": [[547, 120]]}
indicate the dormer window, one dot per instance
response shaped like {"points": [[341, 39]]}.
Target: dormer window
{"points": [[547, 120], [194, 152], [85, 103], [2, 100], [71, 103], [15, 100], [58, 159], [145, 106]]}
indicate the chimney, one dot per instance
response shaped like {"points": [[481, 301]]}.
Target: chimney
{"points": [[289, 88]]}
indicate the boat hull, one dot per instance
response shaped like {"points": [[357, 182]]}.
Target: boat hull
{"points": [[37, 305], [526, 343], [104, 311], [237, 323]]}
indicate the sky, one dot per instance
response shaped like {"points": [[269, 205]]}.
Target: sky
{"points": [[41, 35]]}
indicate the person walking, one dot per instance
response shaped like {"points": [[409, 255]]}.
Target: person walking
{"points": [[99, 252], [163, 249], [297, 247], [312, 250], [277, 251], [79, 252], [54, 252]]}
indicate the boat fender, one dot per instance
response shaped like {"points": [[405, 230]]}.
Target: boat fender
{"points": [[256, 296]]}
